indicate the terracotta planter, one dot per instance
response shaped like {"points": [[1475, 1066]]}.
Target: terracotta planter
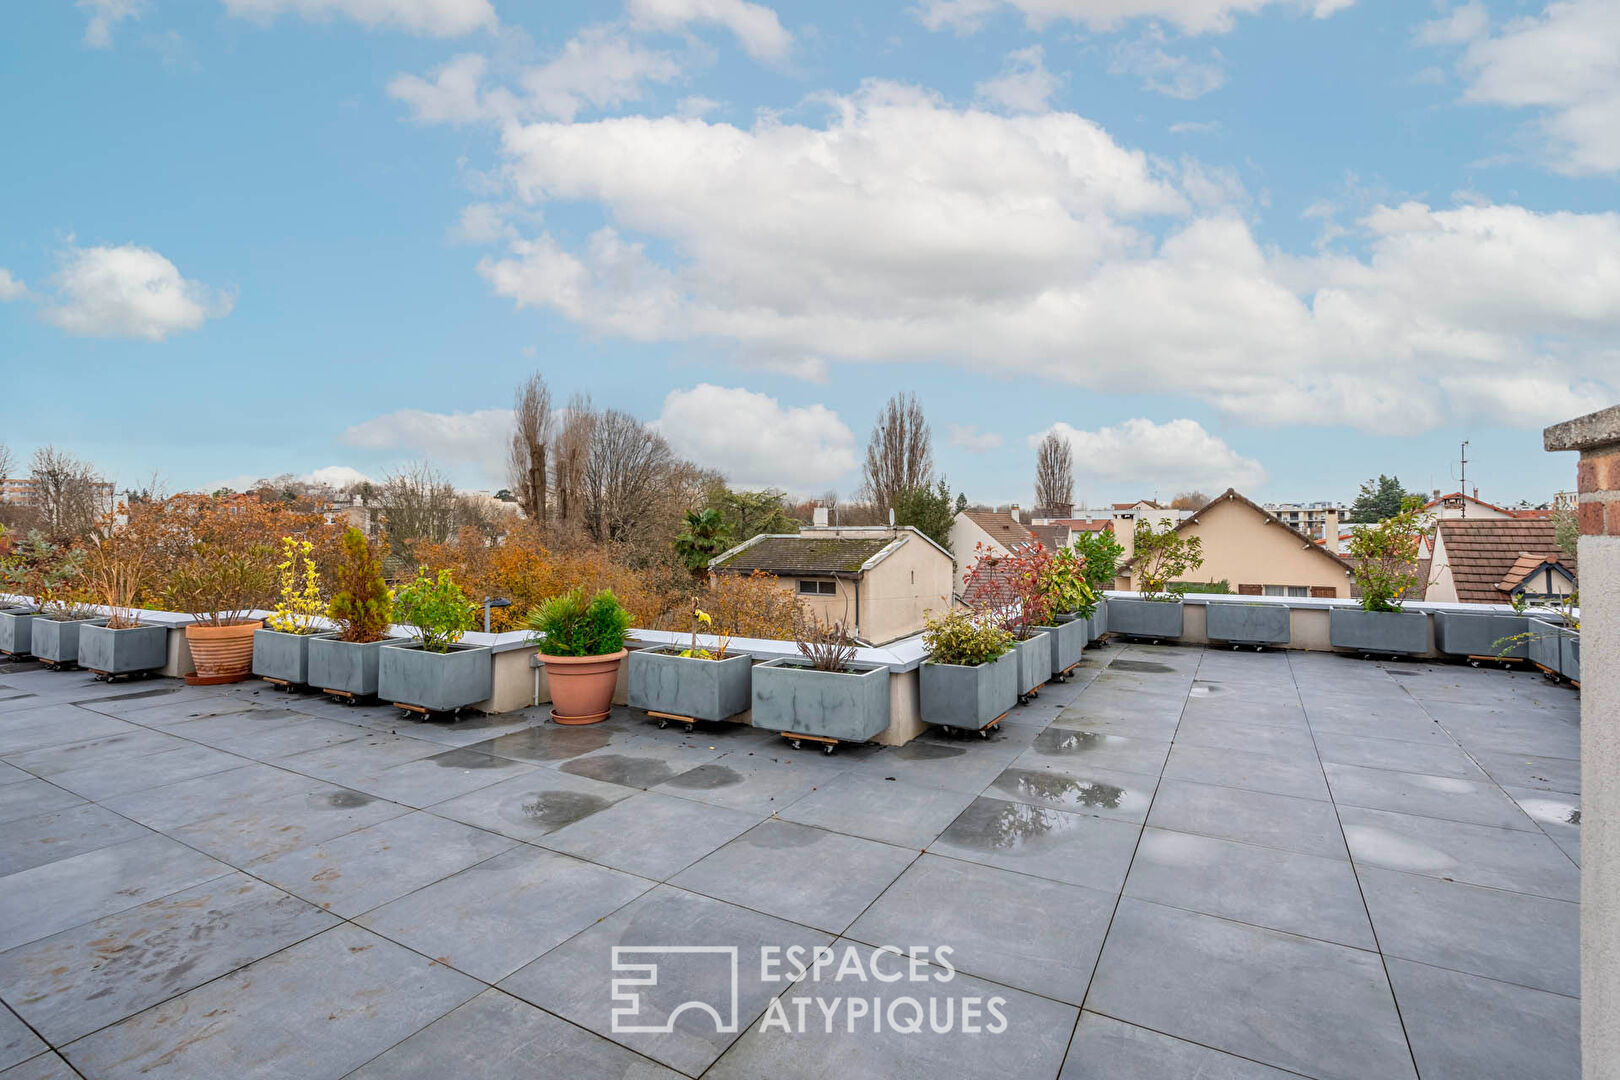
{"points": [[582, 686], [223, 653]]}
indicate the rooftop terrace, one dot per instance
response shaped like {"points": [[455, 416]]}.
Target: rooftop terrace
{"points": [[1185, 862]]}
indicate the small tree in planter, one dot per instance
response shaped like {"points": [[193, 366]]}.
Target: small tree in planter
{"points": [[220, 589], [1063, 585], [581, 642], [1011, 591], [122, 644], [970, 678], [281, 649], [1386, 559], [1164, 555], [56, 578], [434, 673], [345, 664]]}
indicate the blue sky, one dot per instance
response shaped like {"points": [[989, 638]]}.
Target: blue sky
{"points": [[1273, 244]]}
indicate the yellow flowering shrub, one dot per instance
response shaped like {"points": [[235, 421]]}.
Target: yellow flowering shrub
{"points": [[300, 601]]}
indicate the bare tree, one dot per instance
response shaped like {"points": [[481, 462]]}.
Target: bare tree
{"points": [[7, 460], [568, 452], [900, 453], [1054, 472], [531, 439], [1189, 500], [418, 503], [66, 491], [627, 466]]}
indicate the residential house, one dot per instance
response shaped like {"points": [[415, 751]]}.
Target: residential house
{"points": [[1315, 519], [1492, 560], [992, 532], [878, 582], [1257, 553]]}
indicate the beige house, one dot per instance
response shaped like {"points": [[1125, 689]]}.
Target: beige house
{"points": [[1492, 560], [878, 582], [1254, 551], [978, 532]]}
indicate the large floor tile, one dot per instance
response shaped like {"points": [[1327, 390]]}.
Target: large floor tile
{"points": [[1067, 747], [1296, 774], [359, 758], [1307, 826], [1109, 1049], [1480, 802], [62, 834], [1078, 789], [543, 744], [1432, 757], [435, 779], [1533, 771], [1463, 1027], [360, 870], [315, 1011], [651, 835], [492, 918], [248, 831], [17, 1043], [1080, 849], [1048, 946], [136, 742], [533, 805], [49, 1066], [639, 763], [1319, 1009], [703, 950], [85, 978], [168, 807], [118, 777], [798, 873], [1302, 894], [497, 1037], [756, 783], [893, 811], [32, 797], [46, 899], [27, 729], [933, 760], [1223, 727], [1458, 851], [1556, 813], [1514, 937]]}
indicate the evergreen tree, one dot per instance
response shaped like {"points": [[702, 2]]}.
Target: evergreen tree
{"points": [[1379, 499]]}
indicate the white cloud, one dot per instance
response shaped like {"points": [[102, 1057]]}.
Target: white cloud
{"points": [[971, 439], [1189, 16], [452, 97], [11, 288], [755, 26], [1564, 62], [1174, 455], [1463, 23], [129, 291], [1024, 84], [337, 476], [904, 229], [1196, 127], [481, 224], [432, 18], [104, 15], [753, 439], [473, 438], [1162, 72]]}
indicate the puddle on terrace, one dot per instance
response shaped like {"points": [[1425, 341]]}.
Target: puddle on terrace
{"points": [[348, 800], [1142, 665], [782, 837], [1204, 689], [1553, 811], [706, 778], [551, 744], [637, 772], [470, 759], [1072, 793], [554, 809], [998, 825], [1062, 742]]}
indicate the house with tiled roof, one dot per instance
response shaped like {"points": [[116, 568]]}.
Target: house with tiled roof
{"points": [[878, 582], [1492, 560], [976, 532]]}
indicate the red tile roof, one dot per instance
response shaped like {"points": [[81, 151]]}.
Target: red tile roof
{"points": [[1482, 552], [1001, 527]]}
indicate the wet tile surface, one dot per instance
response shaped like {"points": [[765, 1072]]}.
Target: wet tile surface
{"points": [[1193, 847]]}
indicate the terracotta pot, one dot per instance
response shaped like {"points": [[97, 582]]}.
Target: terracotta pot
{"points": [[582, 686], [223, 653]]}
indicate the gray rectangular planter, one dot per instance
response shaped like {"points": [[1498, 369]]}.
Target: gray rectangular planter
{"points": [[1569, 654], [346, 667], [1466, 634], [1365, 631], [1034, 662], [1097, 622], [1067, 639], [663, 681], [1145, 618], [1543, 645], [56, 641], [1247, 624], [408, 674], [123, 652], [15, 625], [282, 656], [968, 697], [795, 699]]}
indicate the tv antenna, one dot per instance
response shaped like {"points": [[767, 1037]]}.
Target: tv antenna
{"points": [[1463, 480]]}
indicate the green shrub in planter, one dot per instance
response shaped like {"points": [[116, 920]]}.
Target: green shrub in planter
{"points": [[436, 608], [575, 624], [970, 678], [965, 640]]}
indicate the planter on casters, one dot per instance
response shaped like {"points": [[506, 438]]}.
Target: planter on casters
{"points": [[345, 669], [1388, 633], [1068, 640], [582, 686], [1569, 655], [56, 641], [1237, 623], [15, 626], [1152, 619], [419, 681], [669, 686], [962, 697], [282, 658], [129, 650], [1097, 621], [222, 653], [1459, 633], [828, 707], [1034, 664]]}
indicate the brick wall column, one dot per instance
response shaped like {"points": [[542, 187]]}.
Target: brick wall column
{"points": [[1597, 438]]}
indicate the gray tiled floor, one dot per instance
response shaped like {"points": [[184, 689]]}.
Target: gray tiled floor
{"points": [[1180, 863]]}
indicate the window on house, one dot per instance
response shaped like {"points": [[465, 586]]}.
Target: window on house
{"points": [[815, 587], [1287, 590]]}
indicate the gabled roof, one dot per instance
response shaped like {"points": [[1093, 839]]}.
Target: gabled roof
{"points": [[1087, 524], [1001, 527], [1144, 504], [1529, 564], [1482, 552], [1306, 542], [1432, 503], [1052, 537], [796, 553]]}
